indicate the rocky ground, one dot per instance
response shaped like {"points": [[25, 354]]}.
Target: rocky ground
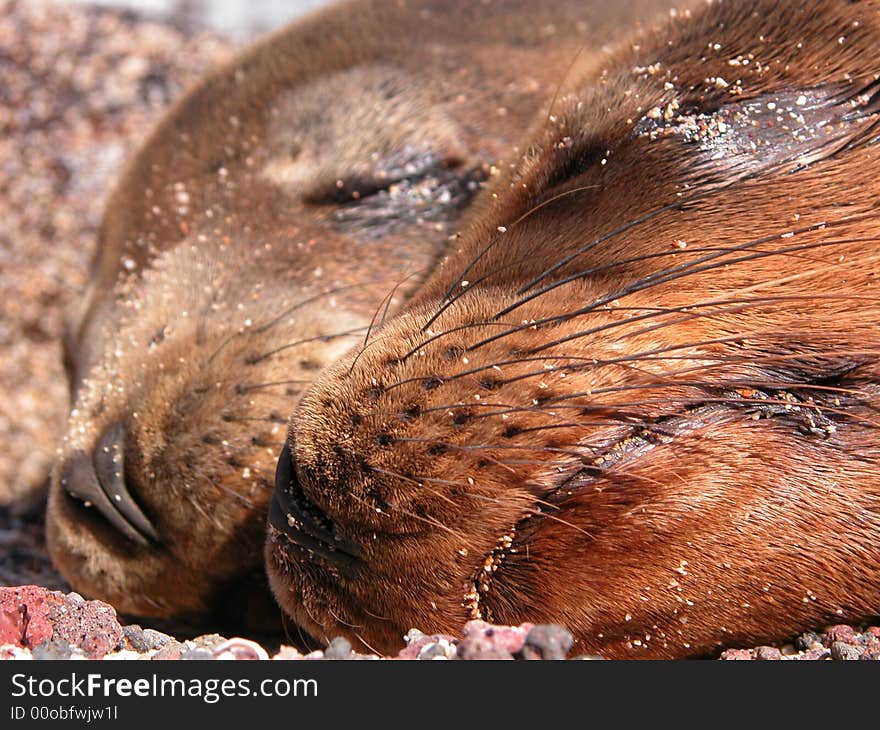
{"points": [[79, 88], [36, 623]]}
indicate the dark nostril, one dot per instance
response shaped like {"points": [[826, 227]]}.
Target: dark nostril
{"points": [[100, 481], [291, 512]]}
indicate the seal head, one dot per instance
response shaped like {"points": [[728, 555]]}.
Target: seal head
{"points": [[640, 398]]}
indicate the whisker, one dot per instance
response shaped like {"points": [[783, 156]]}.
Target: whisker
{"points": [[657, 278], [446, 333], [305, 302], [386, 301], [247, 388], [699, 265], [340, 620], [363, 641], [254, 359], [457, 284]]}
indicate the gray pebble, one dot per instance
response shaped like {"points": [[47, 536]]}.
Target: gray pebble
{"points": [[808, 640], [546, 641], [339, 648], [436, 650], [413, 635], [143, 640], [208, 641], [55, 649], [172, 650], [156, 639], [196, 655], [845, 652]]}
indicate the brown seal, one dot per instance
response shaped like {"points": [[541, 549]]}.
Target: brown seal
{"points": [[642, 397], [287, 201]]}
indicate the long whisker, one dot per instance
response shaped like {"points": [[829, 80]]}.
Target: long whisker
{"points": [[305, 302], [243, 388], [652, 280], [254, 359], [449, 297]]}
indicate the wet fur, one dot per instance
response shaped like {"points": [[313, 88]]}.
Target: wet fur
{"points": [[641, 397]]}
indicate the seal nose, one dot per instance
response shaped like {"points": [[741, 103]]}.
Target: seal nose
{"points": [[303, 522], [100, 482]]}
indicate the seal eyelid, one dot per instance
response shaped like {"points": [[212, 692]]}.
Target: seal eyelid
{"points": [[401, 192], [404, 168]]}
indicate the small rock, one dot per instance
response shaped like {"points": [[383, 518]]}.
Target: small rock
{"points": [[846, 652], [416, 642], [412, 636], [143, 640], [57, 649], [808, 640], [123, 655], [207, 641], [197, 655], [843, 633], [768, 654], [11, 651], [31, 615], [484, 641], [239, 649], [737, 655], [156, 639], [339, 648], [547, 641], [816, 653], [288, 653], [23, 616], [171, 651], [441, 649], [473, 650]]}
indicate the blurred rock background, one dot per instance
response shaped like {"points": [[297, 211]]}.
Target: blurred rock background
{"points": [[236, 19], [79, 88], [80, 85]]}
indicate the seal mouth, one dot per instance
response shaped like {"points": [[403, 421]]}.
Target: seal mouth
{"points": [[301, 521], [99, 482]]}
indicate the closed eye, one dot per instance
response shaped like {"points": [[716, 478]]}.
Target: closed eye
{"points": [[406, 167], [411, 191]]}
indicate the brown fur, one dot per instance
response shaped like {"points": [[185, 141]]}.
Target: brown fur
{"points": [[249, 243], [641, 398]]}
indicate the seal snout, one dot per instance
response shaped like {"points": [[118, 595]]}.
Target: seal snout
{"points": [[301, 521], [99, 482]]}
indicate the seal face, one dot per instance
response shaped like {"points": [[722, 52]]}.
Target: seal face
{"points": [[641, 397], [286, 205]]}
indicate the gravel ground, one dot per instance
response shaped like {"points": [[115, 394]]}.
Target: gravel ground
{"points": [[79, 88]]}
